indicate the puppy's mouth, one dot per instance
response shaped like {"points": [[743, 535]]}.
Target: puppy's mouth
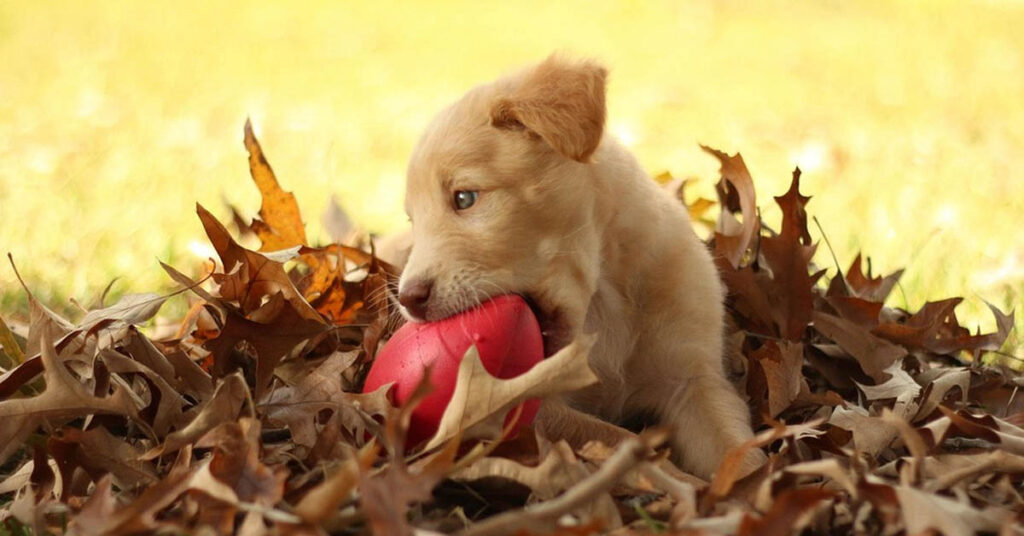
{"points": [[553, 328]]}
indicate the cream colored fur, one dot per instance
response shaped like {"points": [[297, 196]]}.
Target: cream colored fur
{"points": [[566, 216]]}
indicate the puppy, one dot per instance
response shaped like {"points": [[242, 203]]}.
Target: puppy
{"points": [[516, 188]]}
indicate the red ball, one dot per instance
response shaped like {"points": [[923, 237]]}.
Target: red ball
{"points": [[506, 335]]}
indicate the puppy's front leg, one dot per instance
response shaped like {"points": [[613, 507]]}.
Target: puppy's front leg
{"points": [[708, 418], [557, 421], [693, 398]]}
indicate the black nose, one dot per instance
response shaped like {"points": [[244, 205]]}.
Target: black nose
{"points": [[414, 297]]}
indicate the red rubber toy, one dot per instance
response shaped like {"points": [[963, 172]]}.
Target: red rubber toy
{"points": [[506, 335]]}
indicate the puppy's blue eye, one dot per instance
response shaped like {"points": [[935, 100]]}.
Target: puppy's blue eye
{"points": [[465, 198]]}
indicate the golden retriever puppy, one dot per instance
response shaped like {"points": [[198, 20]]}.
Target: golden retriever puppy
{"points": [[516, 188]]}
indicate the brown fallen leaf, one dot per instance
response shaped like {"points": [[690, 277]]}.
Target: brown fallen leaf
{"points": [[788, 255], [923, 511], [250, 275], [962, 423], [938, 383], [855, 284], [298, 406], [323, 500], [935, 328], [140, 515], [873, 353], [99, 453], [779, 364], [736, 193], [913, 441], [558, 471], [236, 464], [830, 468], [735, 462], [748, 299], [64, 397], [861, 312], [947, 471], [629, 455], [280, 328], [787, 514], [387, 495], [165, 410], [871, 435], [227, 401]]}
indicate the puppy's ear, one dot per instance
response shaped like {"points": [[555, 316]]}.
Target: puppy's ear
{"points": [[560, 101]]}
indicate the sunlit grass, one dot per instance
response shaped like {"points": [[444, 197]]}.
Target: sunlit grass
{"points": [[115, 118]]}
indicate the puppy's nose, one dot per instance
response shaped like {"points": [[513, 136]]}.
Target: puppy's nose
{"points": [[414, 297]]}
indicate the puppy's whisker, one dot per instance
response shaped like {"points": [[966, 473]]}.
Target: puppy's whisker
{"points": [[481, 296]]}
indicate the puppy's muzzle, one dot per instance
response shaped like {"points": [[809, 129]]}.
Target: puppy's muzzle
{"points": [[415, 297]]}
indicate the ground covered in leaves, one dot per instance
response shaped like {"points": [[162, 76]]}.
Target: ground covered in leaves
{"points": [[248, 416]]}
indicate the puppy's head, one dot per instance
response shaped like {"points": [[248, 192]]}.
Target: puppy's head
{"points": [[500, 193]]}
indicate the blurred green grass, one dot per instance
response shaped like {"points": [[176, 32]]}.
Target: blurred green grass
{"points": [[116, 117]]}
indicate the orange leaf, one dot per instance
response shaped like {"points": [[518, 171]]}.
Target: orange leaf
{"points": [[280, 225]]}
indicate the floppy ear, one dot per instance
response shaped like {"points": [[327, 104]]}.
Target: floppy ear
{"points": [[560, 101]]}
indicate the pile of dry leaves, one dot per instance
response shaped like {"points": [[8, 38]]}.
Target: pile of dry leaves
{"points": [[250, 418]]}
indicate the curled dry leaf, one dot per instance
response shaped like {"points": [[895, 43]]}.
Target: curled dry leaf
{"points": [[991, 430], [479, 403], [900, 385], [737, 190], [871, 435], [831, 468], [131, 309], [923, 511], [224, 406], [556, 472], [938, 384], [628, 456], [559, 471]]}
